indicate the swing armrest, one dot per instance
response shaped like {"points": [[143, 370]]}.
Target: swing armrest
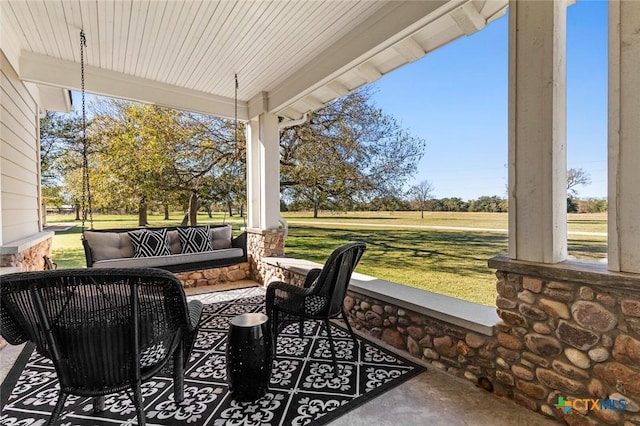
{"points": [[87, 252]]}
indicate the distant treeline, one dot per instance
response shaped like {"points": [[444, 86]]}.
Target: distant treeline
{"points": [[491, 204]]}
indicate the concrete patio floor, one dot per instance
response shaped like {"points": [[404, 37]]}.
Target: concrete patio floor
{"points": [[435, 398], [432, 398]]}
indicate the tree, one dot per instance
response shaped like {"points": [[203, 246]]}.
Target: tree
{"points": [[148, 154], [491, 204], [60, 134], [347, 152], [421, 194], [576, 177]]}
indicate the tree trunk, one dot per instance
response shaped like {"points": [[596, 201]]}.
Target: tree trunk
{"points": [[142, 212], [166, 212], [185, 219], [194, 205], [209, 211], [77, 208], [230, 207], [422, 213], [316, 204]]}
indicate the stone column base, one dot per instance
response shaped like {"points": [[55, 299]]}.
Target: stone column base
{"points": [[261, 244]]}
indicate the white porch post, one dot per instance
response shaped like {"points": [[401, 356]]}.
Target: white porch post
{"points": [[264, 238], [624, 130], [263, 172], [537, 131]]}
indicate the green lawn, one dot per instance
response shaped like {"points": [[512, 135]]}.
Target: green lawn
{"points": [[452, 262]]}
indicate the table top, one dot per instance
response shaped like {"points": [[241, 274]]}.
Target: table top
{"points": [[249, 320]]}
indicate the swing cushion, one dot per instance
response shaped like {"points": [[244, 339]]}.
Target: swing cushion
{"points": [[220, 237], [114, 248], [147, 243], [109, 245]]}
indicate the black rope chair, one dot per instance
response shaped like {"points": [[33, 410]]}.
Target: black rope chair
{"points": [[320, 298], [106, 330]]}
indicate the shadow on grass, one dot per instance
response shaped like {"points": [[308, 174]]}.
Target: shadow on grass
{"points": [[460, 253]]}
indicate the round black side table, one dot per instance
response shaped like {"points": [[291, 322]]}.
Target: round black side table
{"points": [[249, 356]]}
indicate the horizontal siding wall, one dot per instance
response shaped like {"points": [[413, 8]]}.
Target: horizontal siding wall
{"points": [[19, 158]]}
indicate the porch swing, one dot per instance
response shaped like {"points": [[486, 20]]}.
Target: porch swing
{"points": [[172, 248]]}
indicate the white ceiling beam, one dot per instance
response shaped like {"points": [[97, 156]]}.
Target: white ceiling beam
{"points": [[369, 72], [56, 72], [409, 49], [468, 19], [393, 22], [337, 88], [312, 102], [258, 104]]}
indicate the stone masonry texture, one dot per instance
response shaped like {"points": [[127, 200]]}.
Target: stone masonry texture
{"points": [[556, 339]]}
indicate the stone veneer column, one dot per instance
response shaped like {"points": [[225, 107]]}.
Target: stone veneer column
{"points": [[263, 243], [569, 331]]}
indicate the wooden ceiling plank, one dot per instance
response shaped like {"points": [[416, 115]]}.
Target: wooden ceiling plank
{"points": [[73, 25], [139, 37], [152, 36], [169, 16], [88, 16], [174, 25], [210, 42], [107, 28], [260, 65], [239, 42], [9, 18], [185, 53], [180, 42], [254, 66], [233, 26], [28, 29], [332, 25], [52, 16], [124, 24], [224, 17]]}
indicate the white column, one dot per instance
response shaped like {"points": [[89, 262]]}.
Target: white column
{"points": [[263, 172], [537, 131], [253, 173], [624, 133]]}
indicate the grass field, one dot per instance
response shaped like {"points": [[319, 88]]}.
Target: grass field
{"points": [[401, 247]]}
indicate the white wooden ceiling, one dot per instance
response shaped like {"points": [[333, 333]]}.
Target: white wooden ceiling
{"points": [[290, 56]]}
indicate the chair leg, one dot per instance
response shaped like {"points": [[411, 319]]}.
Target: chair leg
{"points": [[274, 332], [178, 373], [98, 404], [137, 401], [332, 347], [353, 336], [62, 397]]}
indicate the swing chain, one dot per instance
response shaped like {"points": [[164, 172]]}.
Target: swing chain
{"points": [[86, 189]]}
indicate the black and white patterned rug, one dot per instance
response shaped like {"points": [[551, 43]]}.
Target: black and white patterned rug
{"points": [[302, 391]]}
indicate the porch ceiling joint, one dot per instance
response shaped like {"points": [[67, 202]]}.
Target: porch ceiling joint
{"points": [[468, 19]]}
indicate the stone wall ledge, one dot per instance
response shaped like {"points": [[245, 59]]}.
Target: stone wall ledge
{"points": [[462, 313], [18, 246], [584, 272]]}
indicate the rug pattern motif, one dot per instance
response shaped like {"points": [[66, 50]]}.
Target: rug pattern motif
{"points": [[303, 389]]}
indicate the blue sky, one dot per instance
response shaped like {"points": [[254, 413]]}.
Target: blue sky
{"points": [[455, 98]]}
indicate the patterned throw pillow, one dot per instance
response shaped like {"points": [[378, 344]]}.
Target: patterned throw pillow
{"points": [[148, 243], [195, 240]]}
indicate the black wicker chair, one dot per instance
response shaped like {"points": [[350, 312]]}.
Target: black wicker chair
{"points": [[320, 298], [106, 330]]}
